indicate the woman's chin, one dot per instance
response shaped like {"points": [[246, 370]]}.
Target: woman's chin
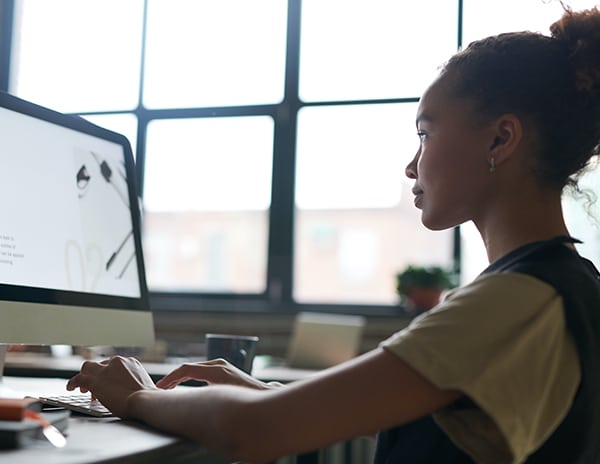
{"points": [[433, 222]]}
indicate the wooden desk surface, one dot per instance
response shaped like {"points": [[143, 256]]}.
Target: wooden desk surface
{"points": [[106, 440]]}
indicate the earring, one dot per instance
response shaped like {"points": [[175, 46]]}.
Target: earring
{"points": [[492, 164]]}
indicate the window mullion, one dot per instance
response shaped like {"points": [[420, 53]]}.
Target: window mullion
{"points": [[140, 112], [6, 30], [281, 224]]}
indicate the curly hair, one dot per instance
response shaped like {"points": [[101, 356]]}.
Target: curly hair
{"points": [[553, 82]]}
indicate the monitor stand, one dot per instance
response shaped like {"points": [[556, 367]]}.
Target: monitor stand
{"points": [[5, 390]]}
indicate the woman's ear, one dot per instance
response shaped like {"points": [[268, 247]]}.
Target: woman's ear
{"points": [[506, 136]]}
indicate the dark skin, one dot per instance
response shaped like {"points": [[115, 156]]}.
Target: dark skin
{"points": [[244, 419], [243, 422], [509, 207]]}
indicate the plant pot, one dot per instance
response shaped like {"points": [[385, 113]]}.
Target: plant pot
{"points": [[420, 299]]}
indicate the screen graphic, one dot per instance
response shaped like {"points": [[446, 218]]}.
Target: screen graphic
{"points": [[65, 218]]}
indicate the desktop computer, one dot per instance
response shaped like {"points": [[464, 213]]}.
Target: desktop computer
{"points": [[71, 262]]}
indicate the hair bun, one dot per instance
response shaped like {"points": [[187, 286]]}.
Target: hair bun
{"points": [[580, 34]]}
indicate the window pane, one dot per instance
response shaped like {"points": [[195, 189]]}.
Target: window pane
{"points": [[367, 49], [473, 254], [125, 124], [74, 56], [353, 156], [482, 19], [207, 193], [215, 52], [356, 225], [583, 217]]}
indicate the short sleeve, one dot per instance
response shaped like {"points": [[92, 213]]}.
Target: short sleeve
{"points": [[501, 340]]}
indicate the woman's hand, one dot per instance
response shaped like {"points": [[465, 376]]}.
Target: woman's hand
{"points": [[112, 382], [216, 371]]}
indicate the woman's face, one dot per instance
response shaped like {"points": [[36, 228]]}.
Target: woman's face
{"points": [[451, 167]]}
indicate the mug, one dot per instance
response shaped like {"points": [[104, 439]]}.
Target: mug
{"points": [[239, 350]]}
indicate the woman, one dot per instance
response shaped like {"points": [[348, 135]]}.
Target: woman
{"points": [[505, 368]]}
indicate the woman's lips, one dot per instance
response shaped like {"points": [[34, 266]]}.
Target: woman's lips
{"points": [[418, 193]]}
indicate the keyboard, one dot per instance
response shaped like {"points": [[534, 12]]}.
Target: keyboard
{"points": [[77, 402]]}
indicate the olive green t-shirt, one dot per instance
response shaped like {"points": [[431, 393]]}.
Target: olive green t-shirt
{"points": [[502, 340]]}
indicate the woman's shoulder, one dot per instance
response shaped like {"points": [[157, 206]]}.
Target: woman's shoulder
{"points": [[504, 291], [489, 308]]}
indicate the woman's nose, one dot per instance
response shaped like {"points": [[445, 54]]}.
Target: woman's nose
{"points": [[411, 168]]}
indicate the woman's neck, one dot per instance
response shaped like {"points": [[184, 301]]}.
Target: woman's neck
{"points": [[505, 229]]}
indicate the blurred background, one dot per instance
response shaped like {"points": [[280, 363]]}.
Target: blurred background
{"points": [[270, 139]]}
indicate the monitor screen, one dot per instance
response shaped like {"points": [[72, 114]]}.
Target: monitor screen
{"points": [[71, 263]]}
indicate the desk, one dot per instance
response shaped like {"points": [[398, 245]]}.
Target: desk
{"points": [[33, 365], [106, 440], [36, 365]]}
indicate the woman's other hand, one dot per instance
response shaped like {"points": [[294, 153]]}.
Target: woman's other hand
{"points": [[217, 372]]}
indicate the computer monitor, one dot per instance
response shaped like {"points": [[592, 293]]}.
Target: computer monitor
{"points": [[71, 264]]}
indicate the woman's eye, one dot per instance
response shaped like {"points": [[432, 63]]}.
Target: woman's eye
{"points": [[422, 135]]}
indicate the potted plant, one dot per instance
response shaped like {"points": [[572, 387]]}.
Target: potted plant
{"points": [[420, 287]]}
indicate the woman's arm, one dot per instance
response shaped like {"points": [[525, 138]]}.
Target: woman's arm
{"points": [[371, 393]]}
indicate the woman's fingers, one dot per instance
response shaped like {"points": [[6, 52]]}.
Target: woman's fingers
{"points": [[182, 374], [215, 371]]}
